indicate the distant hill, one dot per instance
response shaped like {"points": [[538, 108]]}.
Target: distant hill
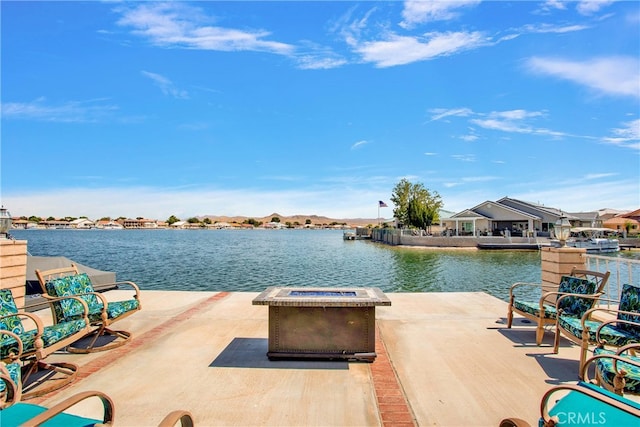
{"points": [[300, 219]]}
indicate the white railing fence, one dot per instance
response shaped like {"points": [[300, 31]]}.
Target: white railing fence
{"points": [[623, 270]]}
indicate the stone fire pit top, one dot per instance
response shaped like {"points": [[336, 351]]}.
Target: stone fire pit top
{"points": [[321, 297]]}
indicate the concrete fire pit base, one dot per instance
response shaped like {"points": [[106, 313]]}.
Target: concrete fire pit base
{"points": [[322, 323]]}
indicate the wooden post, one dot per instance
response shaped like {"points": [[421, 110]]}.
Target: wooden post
{"points": [[13, 268], [557, 262]]}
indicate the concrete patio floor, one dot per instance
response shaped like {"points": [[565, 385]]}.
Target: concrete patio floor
{"points": [[444, 359]]}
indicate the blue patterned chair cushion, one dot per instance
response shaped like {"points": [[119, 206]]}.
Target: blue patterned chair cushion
{"points": [[533, 308], [15, 373], [80, 285], [8, 307], [605, 369], [74, 285], [574, 305], [612, 335], [630, 301], [51, 335]]}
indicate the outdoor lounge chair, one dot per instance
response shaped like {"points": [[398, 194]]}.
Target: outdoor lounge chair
{"points": [[582, 404], [32, 346], [68, 281], [617, 371], [13, 412], [622, 330], [542, 311]]}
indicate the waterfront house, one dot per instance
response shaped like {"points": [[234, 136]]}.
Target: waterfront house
{"points": [[513, 217], [82, 224]]}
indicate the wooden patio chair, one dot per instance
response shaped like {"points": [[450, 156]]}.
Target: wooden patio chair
{"points": [[14, 412], [588, 330], [31, 347], [617, 371], [582, 404], [68, 281], [542, 311]]}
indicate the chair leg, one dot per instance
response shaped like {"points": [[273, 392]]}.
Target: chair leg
{"points": [[539, 333], [584, 347], [510, 313], [120, 338], [35, 385], [556, 340]]}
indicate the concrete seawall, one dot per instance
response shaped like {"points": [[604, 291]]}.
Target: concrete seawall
{"points": [[397, 238]]}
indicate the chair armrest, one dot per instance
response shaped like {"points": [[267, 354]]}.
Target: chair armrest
{"points": [[50, 413], [32, 317], [12, 393], [185, 418], [135, 287], [18, 341], [584, 374], [633, 346], [611, 401], [522, 284], [616, 320], [514, 422]]}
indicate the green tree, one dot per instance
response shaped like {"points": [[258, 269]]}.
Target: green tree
{"points": [[207, 220], [275, 219], [415, 205], [307, 221], [172, 219], [193, 220]]}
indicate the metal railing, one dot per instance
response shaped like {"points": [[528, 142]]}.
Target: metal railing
{"points": [[623, 270]]}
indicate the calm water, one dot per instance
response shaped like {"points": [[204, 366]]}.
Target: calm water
{"points": [[251, 260]]}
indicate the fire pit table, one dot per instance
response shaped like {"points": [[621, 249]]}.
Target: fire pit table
{"points": [[322, 323]]}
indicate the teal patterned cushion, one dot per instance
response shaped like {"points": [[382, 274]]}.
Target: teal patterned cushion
{"points": [[533, 308], [15, 373], [605, 368], [8, 307], [75, 285], [72, 309], [611, 334], [51, 335], [573, 305], [630, 301]]}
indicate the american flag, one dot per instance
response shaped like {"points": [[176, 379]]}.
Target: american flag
{"points": [[382, 204]]}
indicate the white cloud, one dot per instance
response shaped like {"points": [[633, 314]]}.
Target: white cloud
{"points": [[464, 157], [401, 50], [441, 113], [176, 24], [421, 11], [359, 144], [589, 7], [616, 75], [165, 85], [628, 135], [67, 112]]}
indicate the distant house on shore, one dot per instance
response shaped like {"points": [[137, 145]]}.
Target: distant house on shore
{"points": [[138, 223], [82, 224], [513, 217]]}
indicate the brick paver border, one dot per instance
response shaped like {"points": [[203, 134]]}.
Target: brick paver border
{"points": [[392, 402]]}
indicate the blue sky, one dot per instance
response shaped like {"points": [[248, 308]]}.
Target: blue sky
{"points": [[247, 108]]}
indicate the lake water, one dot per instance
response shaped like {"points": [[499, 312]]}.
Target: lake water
{"points": [[251, 260]]}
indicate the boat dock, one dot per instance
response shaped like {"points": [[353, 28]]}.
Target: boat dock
{"points": [[443, 359]]}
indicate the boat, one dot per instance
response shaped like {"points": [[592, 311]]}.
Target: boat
{"points": [[593, 239], [349, 235]]}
